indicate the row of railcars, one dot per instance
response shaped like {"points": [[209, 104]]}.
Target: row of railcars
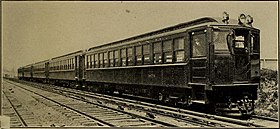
{"points": [[209, 61], [25, 72], [66, 70]]}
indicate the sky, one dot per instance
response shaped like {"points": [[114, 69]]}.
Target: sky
{"points": [[37, 30]]}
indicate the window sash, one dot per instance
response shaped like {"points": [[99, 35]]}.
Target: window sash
{"points": [[139, 60], [146, 59], [198, 44], [168, 57], [91, 61], [167, 46], [179, 44], [123, 53], [105, 59], [116, 58], [179, 56], [101, 58], [129, 52], [157, 58], [111, 55], [157, 47], [138, 50], [146, 49], [123, 61], [96, 61]]}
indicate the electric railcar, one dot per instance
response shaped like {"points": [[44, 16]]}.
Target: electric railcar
{"points": [[211, 61]]}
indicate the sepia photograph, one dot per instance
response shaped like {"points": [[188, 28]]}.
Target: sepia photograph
{"points": [[191, 64]]}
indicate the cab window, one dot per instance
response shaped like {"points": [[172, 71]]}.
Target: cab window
{"points": [[220, 40], [198, 43]]}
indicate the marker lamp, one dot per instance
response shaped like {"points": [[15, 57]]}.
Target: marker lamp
{"points": [[225, 17]]}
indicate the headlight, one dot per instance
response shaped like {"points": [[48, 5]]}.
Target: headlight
{"points": [[242, 19], [245, 20], [249, 19]]}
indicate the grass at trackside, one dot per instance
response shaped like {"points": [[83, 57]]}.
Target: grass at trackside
{"points": [[267, 103]]}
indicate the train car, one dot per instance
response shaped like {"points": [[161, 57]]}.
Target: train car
{"points": [[40, 71], [211, 61], [26, 72], [20, 73], [67, 70]]}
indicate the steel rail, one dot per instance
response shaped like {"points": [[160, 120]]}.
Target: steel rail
{"points": [[265, 118], [101, 121], [192, 114], [21, 120], [221, 119]]}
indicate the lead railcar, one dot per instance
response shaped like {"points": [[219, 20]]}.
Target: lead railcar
{"points": [[212, 61]]}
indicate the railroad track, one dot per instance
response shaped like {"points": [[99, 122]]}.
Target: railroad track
{"points": [[265, 118], [191, 118], [195, 118], [86, 112], [9, 110], [109, 102], [19, 115]]}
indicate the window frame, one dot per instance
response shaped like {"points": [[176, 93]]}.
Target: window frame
{"points": [[129, 56], [170, 51], [195, 33], [147, 54], [101, 59], [88, 61], [123, 58], [105, 59], [179, 49], [96, 60], [111, 58], [159, 53], [137, 55], [117, 58]]}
